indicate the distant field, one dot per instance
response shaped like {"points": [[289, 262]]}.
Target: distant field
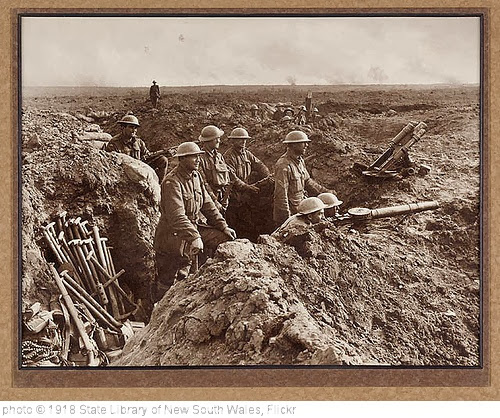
{"points": [[134, 91]]}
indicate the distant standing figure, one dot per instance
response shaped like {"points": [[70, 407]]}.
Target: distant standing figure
{"points": [[154, 94], [126, 142]]}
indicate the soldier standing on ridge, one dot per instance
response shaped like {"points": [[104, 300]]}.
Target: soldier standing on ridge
{"points": [[246, 167], [292, 180], [154, 94], [213, 168], [189, 220], [126, 142]]}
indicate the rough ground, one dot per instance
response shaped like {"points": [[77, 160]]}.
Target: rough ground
{"points": [[385, 293]]}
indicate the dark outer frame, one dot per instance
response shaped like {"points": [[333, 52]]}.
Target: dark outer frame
{"points": [[300, 381]]}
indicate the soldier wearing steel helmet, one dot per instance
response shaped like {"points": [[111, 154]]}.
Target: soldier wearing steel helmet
{"points": [[213, 167], [292, 180], [247, 169], [310, 211], [332, 204], [254, 110], [126, 142], [154, 94], [189, 220]]}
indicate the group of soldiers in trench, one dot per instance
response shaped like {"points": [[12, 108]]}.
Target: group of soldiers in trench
{"points": [[204, 196]]}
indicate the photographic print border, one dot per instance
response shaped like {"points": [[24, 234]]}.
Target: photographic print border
{"points": [[310, 376]]}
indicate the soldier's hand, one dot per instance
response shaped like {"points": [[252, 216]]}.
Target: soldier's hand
{"points": [[196, 246], [230, 233]]}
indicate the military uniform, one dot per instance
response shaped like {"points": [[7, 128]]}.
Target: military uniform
{"points": [[292, 181], [244, 164], [187, 213], [216, 174], [136, 148], [294, 222], [244, 210], [154, 94]]}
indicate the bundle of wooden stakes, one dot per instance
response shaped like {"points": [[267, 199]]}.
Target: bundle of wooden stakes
{"points": [[87, 269]]}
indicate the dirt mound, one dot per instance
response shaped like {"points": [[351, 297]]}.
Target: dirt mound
{"points": [[316, 300], [115, 192]]}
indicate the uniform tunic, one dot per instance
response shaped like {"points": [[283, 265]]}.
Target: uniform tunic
{"points": [[134, 146], [185, 204], [215, 172], [292, 181], [243, 164]]}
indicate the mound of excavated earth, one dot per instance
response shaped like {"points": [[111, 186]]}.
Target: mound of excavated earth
{"points": [[326, 297]]}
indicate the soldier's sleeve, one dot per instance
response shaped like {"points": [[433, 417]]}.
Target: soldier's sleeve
{"points": [[173, 205], [210, 211], [313, 188], [259, 167], [237, 183], [110, 146], [203, 171], [144, 150], [281, 208]]}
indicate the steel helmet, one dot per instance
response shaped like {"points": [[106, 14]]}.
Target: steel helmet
{"points": [[210, 132], [303, 107], [188, 148], [296, 136], [289, 109], [154, 81], [310, 205], [330, 200], [315, 109], [239, 133], [254, 107], [284, 118], [129, 120]]}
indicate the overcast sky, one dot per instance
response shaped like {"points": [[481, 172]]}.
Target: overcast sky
{"points": [[130, 51]]}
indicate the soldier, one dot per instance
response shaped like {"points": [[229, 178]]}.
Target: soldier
{"points": [[332, 204], [310, 212], [300, 118], [189, 220], [246, 168], [213, 168], [253, 110], [154, 94], [126, 142], [292, 179]]}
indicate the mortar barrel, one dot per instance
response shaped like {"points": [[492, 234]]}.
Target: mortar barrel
{"points": [[404, 209]]}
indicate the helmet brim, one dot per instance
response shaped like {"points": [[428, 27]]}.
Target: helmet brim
{"points": [[190, 153], [296, 142]]}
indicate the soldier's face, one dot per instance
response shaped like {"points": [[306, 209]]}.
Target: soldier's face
{"points": [[299, 148], [240, 143], [213, 144], [190, 162], [129, 130], [316, 216]]}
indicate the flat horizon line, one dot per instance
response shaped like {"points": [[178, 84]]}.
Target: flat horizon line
{"points": [[265, 85]]}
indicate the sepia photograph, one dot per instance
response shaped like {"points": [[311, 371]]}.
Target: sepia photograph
{"points": [[247, 191]]}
